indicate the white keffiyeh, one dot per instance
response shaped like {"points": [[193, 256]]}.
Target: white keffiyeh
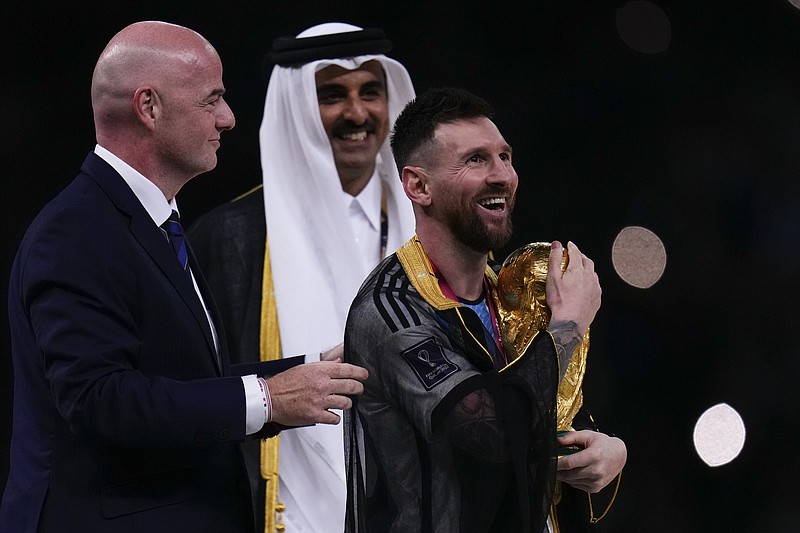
{"points": [[315, 267]]}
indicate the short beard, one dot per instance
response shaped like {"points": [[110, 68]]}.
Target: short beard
{"points": [[471, 231]]}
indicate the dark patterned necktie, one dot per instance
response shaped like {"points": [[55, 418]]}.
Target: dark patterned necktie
{"points": [[175, 233]]}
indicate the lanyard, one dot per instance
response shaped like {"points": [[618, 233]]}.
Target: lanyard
{"points": [[384, 222]]}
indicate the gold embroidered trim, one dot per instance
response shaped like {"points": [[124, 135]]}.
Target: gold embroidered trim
{"points": [[420, 272], [479, 343], [254, 189], [270, 348]]}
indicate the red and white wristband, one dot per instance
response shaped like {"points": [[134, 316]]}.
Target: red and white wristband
{"points": [[266, 399]]}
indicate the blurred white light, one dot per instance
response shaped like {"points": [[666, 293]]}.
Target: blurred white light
{"points": [[795, 3], [719, 435], [638, 256]]}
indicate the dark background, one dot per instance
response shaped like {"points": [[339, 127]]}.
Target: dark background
{"points": [[699, 142]]}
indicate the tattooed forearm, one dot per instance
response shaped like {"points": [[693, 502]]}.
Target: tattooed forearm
{"points": [[473, 426], [566, 336]]}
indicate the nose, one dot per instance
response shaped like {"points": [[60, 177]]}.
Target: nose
{"points": [[225, 118], [502, 171], [355, 111]]}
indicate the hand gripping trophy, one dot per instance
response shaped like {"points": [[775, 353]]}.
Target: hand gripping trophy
{"points": [[523, 313]]}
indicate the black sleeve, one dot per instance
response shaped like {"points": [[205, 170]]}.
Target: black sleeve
{"points": [[229, 244]]}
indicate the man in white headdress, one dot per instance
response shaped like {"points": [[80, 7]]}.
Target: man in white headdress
{"points": [[334, 206]]}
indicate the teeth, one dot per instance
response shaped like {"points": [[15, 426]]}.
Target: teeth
{"points": [[493, 202], [357, 136]]}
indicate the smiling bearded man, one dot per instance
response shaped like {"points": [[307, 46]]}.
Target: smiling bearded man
{"points": [[449, 434]]}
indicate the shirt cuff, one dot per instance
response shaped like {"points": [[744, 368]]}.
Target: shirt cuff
{"points": [[254, 404]]}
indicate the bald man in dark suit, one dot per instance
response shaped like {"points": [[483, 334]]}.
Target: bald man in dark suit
{"points": [[127, 414]]}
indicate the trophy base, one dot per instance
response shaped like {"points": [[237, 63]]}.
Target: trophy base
{"points": [[567, 450]]}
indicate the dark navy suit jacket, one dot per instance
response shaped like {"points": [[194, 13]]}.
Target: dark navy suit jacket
{"points": [[125, 416]]}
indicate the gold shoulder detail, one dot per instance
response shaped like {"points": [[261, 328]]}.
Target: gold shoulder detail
{"points": [[420, 272], [247, 193]]}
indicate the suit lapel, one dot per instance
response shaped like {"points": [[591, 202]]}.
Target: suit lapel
{"points": [[158, 248], [154, 242], [223, 361]]}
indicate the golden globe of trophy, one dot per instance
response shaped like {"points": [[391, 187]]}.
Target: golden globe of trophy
{"points": [[522, 313]]}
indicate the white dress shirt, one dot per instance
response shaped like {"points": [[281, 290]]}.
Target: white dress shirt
{"points": [[365, 218], [160, 209]]}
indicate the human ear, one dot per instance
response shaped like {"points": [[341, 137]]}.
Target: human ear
{"points": [[415, 185], [147, 106]]}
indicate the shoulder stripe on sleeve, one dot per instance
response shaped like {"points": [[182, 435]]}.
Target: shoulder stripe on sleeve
{"points": [[391, 297]]}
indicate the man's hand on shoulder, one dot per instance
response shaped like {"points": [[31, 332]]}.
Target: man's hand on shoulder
{"points": [[304, 394], [333, 354]]}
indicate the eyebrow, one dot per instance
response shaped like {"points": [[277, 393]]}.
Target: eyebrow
{"points": [[329, 86], [484, 149], [372, 84]]}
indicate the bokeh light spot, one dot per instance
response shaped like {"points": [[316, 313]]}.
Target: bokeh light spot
{"points": [[719, 435], [638, 256], [644, 27]]}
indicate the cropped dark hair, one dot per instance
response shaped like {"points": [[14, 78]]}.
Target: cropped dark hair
{"points": [[416, 125]]}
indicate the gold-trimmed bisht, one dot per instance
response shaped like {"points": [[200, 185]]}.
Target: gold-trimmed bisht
{"points": [[270, 349], [523, 313]]}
